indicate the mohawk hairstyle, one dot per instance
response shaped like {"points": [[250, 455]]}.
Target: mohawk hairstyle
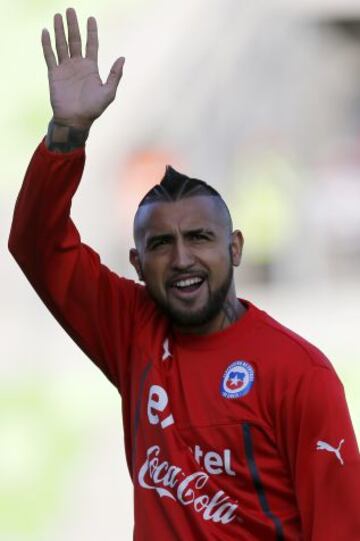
{"points": [[175, 186]]}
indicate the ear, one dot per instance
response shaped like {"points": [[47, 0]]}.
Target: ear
{"points": [[135, 262], [237, 243]]}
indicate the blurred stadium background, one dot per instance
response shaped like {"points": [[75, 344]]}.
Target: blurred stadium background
{"points": [[261, 99]]}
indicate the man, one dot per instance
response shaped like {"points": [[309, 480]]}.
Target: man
{"points": [[235, 427]]}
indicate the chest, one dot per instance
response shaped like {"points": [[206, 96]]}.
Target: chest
{"points": [[206, 394], [200, 421]]}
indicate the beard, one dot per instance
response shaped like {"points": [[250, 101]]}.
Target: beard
{"points": [[187, 318]]}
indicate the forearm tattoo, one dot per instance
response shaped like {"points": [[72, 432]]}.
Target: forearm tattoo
{"points": [[61, 138]]}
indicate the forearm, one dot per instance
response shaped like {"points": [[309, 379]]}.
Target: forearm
{"points": [[85, 297], [62, 138], [43, 204]]}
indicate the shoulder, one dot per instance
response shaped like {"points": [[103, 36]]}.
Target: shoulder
{"points": [[295, 372], [285, 348]]}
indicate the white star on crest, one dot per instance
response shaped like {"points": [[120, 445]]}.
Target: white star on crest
{"points": [[235, 380]]}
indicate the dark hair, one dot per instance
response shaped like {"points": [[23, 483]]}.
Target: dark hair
{"points": [[175, 186]]}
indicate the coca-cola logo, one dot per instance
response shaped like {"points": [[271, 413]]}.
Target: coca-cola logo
{"points": [[170, 481]]}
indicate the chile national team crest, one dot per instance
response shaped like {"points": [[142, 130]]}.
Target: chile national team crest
{"points": [[237, 380]]}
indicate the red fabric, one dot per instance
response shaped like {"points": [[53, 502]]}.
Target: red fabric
{"points": [[206, 463]]}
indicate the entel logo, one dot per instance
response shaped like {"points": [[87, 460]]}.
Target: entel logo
{"points": [[213, 462]]}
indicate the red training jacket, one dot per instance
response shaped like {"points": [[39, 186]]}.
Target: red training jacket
{"points": [[240, 435]]}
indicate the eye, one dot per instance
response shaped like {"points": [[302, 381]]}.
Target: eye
{"points": [[158, 243], [198, 236]]}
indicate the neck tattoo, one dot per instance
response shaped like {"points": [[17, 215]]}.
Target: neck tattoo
{"points": [[232, 312]]}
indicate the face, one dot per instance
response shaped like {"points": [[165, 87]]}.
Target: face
{"points": [[185, 254]]}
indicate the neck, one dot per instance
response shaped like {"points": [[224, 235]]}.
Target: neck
{"points": [[232, 310]]}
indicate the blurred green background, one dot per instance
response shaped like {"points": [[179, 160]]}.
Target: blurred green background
{"points": [[261, 101]]}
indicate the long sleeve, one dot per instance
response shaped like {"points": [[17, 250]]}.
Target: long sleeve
{"points": [[94, 305], [318, 440]]}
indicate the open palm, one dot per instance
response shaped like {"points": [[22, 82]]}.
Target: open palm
{"points": [[77, 94]]}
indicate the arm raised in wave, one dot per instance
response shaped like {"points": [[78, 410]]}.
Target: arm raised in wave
{"points": [[93, 304]]}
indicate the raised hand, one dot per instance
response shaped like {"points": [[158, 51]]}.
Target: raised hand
{"points": [[77, 93]]}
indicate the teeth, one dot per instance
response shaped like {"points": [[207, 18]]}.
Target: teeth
{"points": [[188, 282]]}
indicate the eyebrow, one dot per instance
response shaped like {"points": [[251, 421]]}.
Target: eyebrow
{"points": [[169, 236], [200, 231]]}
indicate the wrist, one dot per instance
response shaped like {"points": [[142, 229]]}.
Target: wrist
{"points": [[65, 138]]}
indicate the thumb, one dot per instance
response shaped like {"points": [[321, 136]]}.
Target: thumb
{"points": [[115, 75]]}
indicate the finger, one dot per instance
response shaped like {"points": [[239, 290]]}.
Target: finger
{"points": [[60, 39], [48, 50], [73, 32], [115, 76], [92, 43]]}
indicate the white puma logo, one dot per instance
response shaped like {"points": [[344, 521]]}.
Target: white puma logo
{"points": [[323, 446], [166, 353]]}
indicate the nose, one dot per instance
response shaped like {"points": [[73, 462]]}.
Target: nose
{"points": [[182, 256]]}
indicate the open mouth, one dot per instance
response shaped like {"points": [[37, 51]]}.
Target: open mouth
{"points": [[187, 285]]}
